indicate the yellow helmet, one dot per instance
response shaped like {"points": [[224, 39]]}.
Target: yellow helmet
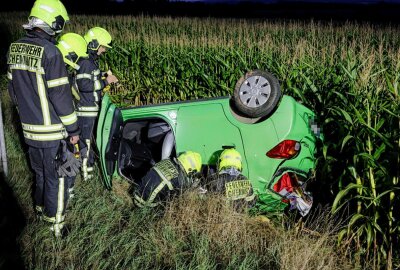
{"points": [[72, 47], [97, 37], [52, 12], [190, 161], [230, 158]]}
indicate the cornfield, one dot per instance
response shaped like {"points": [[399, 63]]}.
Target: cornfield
{"points": [[348, 73]]}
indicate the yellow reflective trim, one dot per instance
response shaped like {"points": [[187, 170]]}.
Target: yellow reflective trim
{"points": [[89, 108], [58, 82], [164, 179], [43, 128], [97, 85], [96, 72], [156, 191], [27, 68], [84, 76], [87, 114], [141, 203], [45, 137], [43, 100], [53, 219], [60, 200], [9, 75], [49, 219], [69, 119]]}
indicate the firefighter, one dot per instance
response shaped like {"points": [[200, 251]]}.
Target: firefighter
{"points": [[166, 178], [90, 84], [230, 181], [38, 85], [73, 47]]}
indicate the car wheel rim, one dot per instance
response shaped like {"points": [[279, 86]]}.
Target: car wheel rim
{"points": [[255, 91]]}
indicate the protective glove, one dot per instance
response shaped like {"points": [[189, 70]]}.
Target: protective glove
{"points": [[68, 164]]}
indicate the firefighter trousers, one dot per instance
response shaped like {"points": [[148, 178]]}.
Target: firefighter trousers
{"points": [[51, 191], [86, 125]]}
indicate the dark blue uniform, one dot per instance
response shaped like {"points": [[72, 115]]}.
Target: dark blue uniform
{"points": [[90, 84], [164, 179], [38, 85]]}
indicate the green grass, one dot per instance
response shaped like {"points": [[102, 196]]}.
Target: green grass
{"points": [[347, 73]]}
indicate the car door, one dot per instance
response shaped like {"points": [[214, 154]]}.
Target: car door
{"points": [[107, 138]]}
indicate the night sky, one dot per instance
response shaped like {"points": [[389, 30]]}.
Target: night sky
{"points": [[380, 10]]}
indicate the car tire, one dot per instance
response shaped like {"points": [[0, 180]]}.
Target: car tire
{"points": [[257, 94]]}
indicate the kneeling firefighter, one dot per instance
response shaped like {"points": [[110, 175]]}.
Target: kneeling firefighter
{"points": [[230, 181], [73, 47], [166, 178]]}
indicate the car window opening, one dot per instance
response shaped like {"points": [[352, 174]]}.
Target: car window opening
{"points": [[143, 144]]}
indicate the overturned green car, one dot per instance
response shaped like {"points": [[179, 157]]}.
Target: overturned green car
{"points": [[275, 135]]}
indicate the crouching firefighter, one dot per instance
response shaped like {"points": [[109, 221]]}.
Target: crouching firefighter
{"points": [[230, 181], [166, 178], [39, 87], [90, 85], [73, 47]]}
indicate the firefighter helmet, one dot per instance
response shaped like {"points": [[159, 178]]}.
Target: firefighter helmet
{"points": [[230, 158], [97, 37], [190, 161], [52, 12], [72, 47]]}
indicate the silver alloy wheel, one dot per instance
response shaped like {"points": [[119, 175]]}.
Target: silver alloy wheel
{"points": [[255, 91]]}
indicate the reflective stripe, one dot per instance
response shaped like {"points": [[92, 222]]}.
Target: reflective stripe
{"points": [[69, 119], [164, 179], [53, 219], [9, 75], [60, 200], [191, 161], [56, 228], [28, 68], [43, 100], [141, 203], [43, 128], [58, 82], [96, 72], [97, 85], [45, 137], [85, 161], [156, 191], [87, 114], [84, 76], [96, 97], [89, 108]]}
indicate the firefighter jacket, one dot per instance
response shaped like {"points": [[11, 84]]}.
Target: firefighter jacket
{"points": [[164, 179], [39, 86], [90, 84]]}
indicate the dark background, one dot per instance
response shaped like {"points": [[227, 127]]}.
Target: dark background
{"points": [[367, 10]]}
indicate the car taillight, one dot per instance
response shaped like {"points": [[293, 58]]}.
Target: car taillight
{"points": [[286, 149], [285, 184]]}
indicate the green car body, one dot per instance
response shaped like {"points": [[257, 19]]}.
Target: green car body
{"points": [[207, 126]]}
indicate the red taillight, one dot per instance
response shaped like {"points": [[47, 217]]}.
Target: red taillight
{"points": [[286, 149], [285, 185]]}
